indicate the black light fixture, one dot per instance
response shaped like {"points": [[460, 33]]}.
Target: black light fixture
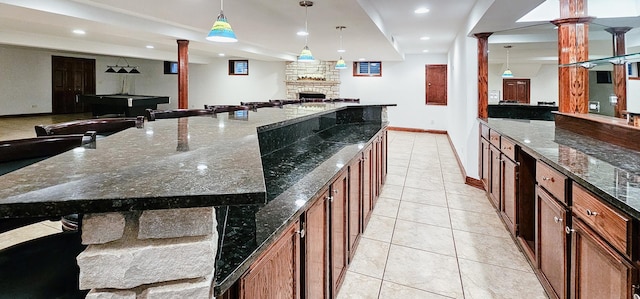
{"points": [[132, 69]]}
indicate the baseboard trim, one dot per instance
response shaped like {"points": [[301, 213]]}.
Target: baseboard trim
{"points": [[474, 182], [26, 115], [401, 129]]}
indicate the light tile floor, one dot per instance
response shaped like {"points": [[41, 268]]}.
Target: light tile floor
{"points": [[432, 236]]}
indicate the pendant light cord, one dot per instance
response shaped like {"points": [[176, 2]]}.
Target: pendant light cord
{"points": [[306, 25]]}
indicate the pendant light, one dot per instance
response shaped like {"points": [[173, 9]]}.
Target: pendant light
{"points": [[341, 65], [221, 30], [305, 55], [507, 73]]}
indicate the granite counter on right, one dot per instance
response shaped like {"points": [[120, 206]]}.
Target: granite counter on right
{"points": [[571, 202]]}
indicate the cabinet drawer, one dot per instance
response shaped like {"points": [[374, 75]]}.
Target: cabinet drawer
{"points": [[494, 138], [551, 180], [508, 148], [613, 226], [484, 131]]}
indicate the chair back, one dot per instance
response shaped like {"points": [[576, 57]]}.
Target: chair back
{"points": [[102, 126], [46, 146], [152, 115]]}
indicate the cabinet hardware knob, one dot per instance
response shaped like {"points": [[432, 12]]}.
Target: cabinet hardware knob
{"points": [[335, 191], [301, 233], [556, 219], [591, 213], [568, 230], [548, 179]]}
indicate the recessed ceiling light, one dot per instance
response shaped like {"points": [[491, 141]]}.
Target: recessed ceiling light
{"points": [[302, 33], [361, 59], [221, 54], [150, 47], [79, 31], [342, 51], [421, 10], [425, 51], [425, 38]]}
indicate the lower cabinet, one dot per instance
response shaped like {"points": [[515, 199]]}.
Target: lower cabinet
{"points": [[338, 229], [367, 188], [509, 192], [598, 271], [355, 204], [316, 244], [276, 274], [494, 181], [552, 244]]}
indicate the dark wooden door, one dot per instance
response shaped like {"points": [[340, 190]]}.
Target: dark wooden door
{"points": [[494, 182], [276, 274], [552, 244], [355, 205], [338, 228], [71, 77], [516, 90], [509, 193], [436, 84], [316, 249], [598, 271]]}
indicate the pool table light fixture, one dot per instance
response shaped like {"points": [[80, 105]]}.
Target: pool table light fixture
{"points": [[133, 69], [221, 30]]}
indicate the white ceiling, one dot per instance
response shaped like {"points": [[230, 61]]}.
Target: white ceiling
{"points": [[376, 29]]}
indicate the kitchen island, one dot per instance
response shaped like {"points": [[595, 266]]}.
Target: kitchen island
{"points": [[571, 202], [244, 181]]}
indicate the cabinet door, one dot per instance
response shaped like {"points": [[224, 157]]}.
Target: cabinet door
{"points": [[383, 156], [598, 271], [484, 163], [367, 186], [494, 182], [276, 274], [509, 193], [375, 181], [338, 228], [551, 244], [355, 205], [316, 248]]}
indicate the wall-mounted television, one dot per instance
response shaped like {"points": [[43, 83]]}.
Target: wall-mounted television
{"points": [[170, 67], [603, 77]]}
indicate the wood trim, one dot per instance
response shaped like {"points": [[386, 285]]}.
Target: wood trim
{"points": [[634, 78], [619, 70], [415, 130], [33, 114], [474, 182], [601, 128]]}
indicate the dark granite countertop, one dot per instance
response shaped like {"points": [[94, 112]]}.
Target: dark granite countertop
{"points": [[171, 163], [609, 171]]}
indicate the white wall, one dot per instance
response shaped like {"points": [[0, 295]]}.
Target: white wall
{"points": [[544, 82], [211, 84], [402, 83]]}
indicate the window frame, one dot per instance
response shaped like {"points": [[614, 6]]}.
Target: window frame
{"points": [[233, 64], [356, 69]]}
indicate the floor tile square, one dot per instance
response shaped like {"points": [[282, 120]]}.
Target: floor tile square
{"points": [[386, 207], [380, 228], [390, 290], [425, 214], [428, 197], [424, 237], [486, 281], [496, 251], [485, 224], [359, 286], [370, 258]]}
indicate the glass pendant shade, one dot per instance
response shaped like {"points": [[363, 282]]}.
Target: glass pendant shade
{"points": [[110, 70], [134, 71], [341, 65], [305, 55], [122, 70], [221, 31], [507, 74]]}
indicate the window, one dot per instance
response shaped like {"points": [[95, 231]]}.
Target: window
{"points": [[367, 68], [239, 67]]}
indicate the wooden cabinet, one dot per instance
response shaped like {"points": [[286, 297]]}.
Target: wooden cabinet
{"points": [[338, 230], [598, 271], [494, 176], [484, 163], [355, 204], [551, 244], [276, 274], [316, 246], [509, 192], [367, 188]]}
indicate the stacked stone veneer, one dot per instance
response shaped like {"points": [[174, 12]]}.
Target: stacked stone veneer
{"points": [[149, 254], [326, 70]]}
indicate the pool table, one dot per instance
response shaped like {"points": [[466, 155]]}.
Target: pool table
{"points": [[122, 104]]}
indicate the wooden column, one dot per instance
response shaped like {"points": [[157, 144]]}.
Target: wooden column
{"points": [[573, 46], [483, 74], [619, 70], [183, 74]]}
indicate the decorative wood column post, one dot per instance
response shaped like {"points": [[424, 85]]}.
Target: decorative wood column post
{"points": [[183, 74], [573, 46], [619, 69], [483, 74]]}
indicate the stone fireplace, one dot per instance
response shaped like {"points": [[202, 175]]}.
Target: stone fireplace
{"points": [[319, 77]]}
